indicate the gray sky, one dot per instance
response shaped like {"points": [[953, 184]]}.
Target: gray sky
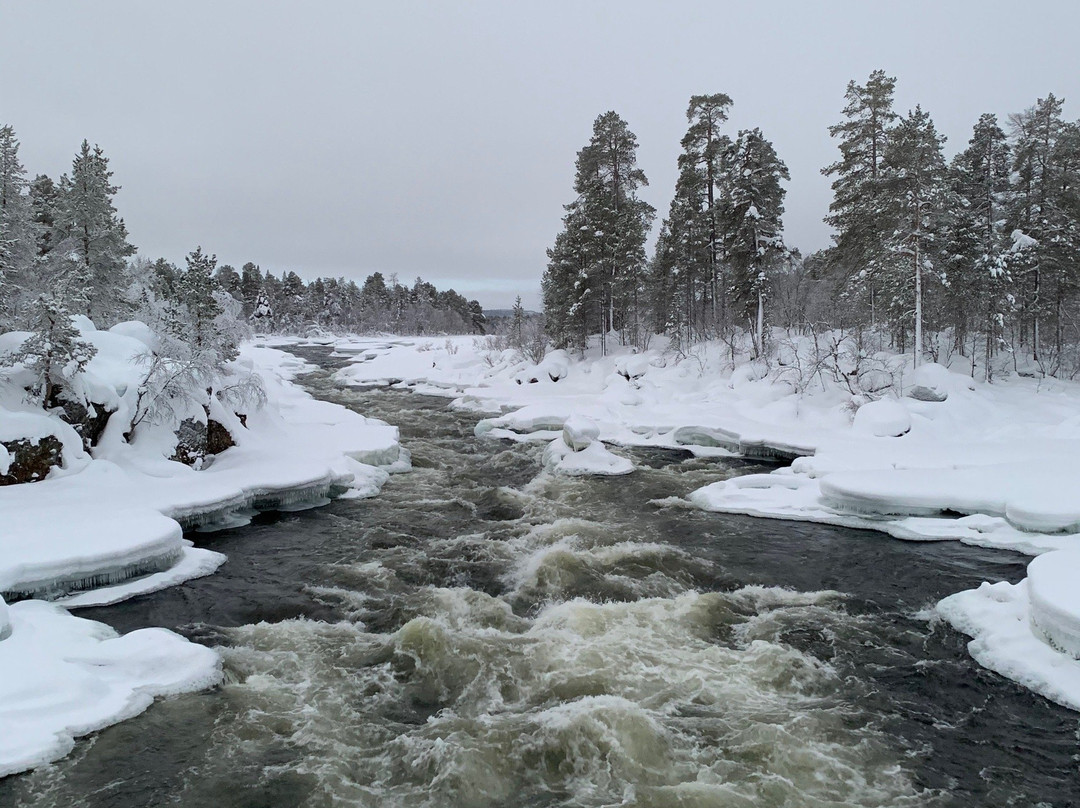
{"points": [[438, 139]]}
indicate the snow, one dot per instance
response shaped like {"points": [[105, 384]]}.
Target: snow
{"points": [[923, 455], [119, 515], [579, 432], [594, 460], [1055, 599], [62, 677], [884, 418], [108, 527], [998, 618]]}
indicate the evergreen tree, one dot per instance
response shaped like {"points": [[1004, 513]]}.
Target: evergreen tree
{"points": [[752, 207], [55, 353], [517, 325], [853, 213], [45, 200], [914, 200], [612, 224], [978, 288], [17, 230], [92, 237]]}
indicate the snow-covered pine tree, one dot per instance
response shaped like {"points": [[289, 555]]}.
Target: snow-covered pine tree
{"points": [[45, 200], [704, 145], [91, 239], [18, 233], [978, 279], [55, 353], [853, 214], [610, 224], [914, 201], [751, 223], [1046, 151]]}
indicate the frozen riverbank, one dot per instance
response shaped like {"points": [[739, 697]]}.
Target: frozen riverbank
{"points": [[109, 527], [932, 456]]}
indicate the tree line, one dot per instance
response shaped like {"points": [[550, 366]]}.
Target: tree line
{"points": [[63, 247], [977, 256]]}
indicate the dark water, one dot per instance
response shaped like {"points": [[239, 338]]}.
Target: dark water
{"points": [[482, 634]]}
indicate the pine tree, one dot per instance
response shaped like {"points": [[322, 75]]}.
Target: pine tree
{"points": [[611, 224], [17, 230], [45, 200], [978, 288], [55, 353], [517, 325], [91, 237], [751, 228], [864, 136], [914, 200]]}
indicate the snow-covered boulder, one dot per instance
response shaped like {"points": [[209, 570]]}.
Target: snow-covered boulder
{"points": [[884, 418], [33, 444], [579, 432], [594, 459], [137, 330], [633, 366], [552, 367], [1055, 599], [930, 382], [5, 621]]}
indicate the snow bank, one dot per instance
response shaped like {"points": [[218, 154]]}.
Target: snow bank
{"points": [[62, 677], [120, 515], [998, 618]]}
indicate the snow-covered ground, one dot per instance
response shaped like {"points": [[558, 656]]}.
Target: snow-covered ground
{"points": [[108, 527], [933, 456]]}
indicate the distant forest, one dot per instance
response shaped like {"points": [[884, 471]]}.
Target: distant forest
{"points": [[63, 247]]}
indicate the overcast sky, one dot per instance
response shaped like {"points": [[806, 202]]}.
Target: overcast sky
{"points": [[438, 139]]}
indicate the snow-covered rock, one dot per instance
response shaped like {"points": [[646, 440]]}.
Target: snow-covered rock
{"points": [[594, 459], [62, 677], [5, 621], [579, 432], [930, 382], [884, 418]]}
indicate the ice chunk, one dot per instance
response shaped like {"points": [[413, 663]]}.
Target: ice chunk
{"points": [[579, 432], [884, 418], [1055, 599]]}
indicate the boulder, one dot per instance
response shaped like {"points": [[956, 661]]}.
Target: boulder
{"points": [[930, 382], [190, 442], [30, 460], [218, 437], [88, 421]]}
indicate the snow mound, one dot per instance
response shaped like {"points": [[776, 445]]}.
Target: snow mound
{"points": [[62, 677], [594, 459], [930, 382], [884, 418], [5, 621], [579, 432], [552, 367], [1055, 599]]}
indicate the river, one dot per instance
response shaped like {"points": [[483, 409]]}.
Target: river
{"points": [[484, 634]]}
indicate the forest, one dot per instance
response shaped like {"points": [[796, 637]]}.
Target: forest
{"points": [[976, 256]]}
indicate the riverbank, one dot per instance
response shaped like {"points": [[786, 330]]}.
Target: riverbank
{"points": [[111, 526]]}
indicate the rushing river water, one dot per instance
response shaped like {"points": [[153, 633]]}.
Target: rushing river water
{"points": [[483, 634]]}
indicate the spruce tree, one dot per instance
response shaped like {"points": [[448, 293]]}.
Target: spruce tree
{"points": [[914, 201], [752, 207], [55, 353], [18, 237], [978, 288], [853, 214], [92, 238]]}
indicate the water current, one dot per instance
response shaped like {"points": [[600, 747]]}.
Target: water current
{"points": [[484, 634]]}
